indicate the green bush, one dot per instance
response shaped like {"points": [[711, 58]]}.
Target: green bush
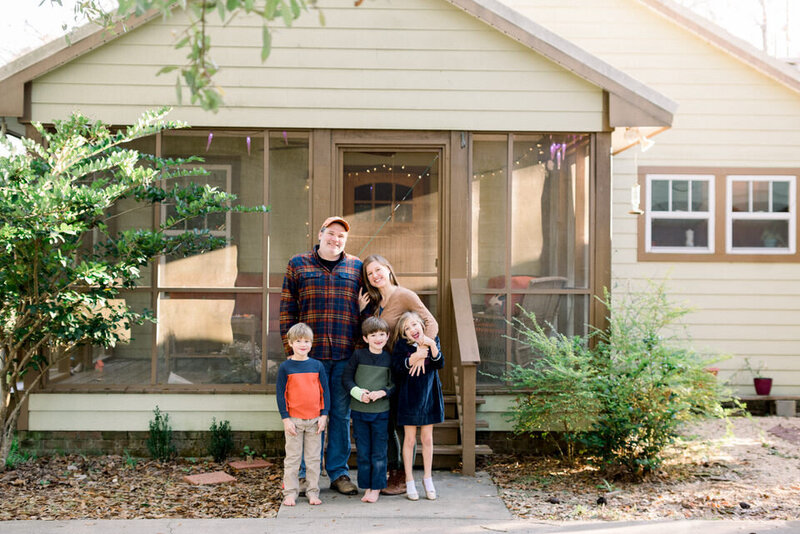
{"points": [[221, 443], [159, 442], [621, 393]]}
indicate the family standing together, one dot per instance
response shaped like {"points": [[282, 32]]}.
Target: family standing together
{"points": [[331, 302]]}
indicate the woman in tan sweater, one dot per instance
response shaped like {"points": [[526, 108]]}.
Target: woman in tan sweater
{"points": [[385, 298]]}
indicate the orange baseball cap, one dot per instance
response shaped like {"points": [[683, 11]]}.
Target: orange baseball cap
{"points": [[336, 219]]}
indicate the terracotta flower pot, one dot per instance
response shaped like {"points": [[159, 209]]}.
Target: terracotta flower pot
{"points": [[763, 385]]}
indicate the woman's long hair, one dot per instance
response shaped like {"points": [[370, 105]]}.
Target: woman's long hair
{"points": [[374, 292]]}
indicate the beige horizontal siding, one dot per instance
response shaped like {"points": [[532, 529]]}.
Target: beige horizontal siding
{"points": [[133, 412], [419, 64], [729, 114]]}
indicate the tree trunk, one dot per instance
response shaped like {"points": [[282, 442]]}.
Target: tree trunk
{"points": [[7, 435]]}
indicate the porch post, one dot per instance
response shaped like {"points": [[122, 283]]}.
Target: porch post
{"points": [[601, 277]]}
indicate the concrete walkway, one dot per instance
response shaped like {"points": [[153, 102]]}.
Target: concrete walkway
{"points": [[466, 505]]}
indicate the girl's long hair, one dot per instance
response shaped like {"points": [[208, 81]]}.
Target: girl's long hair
{"points": [[374, 292]]}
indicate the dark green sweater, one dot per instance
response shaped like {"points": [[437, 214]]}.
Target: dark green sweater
{"points": [[372, 372]]}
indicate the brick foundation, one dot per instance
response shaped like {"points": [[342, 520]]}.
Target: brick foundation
{"points": [[187, 444]]}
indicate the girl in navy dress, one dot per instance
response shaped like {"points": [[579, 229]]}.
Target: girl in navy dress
{"points": [[416, 359]]}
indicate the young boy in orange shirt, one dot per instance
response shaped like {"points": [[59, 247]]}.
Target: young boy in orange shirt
{"points": [[303, 402]]}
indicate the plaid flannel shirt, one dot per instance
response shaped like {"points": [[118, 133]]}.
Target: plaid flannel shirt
{"points": [[327, 301]]}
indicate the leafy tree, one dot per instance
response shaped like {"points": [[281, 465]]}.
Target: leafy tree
{"points": [[199, 70], [57, 288]]}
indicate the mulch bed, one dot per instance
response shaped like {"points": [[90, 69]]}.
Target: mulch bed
{"points": [[113, 487], [751, 471]]}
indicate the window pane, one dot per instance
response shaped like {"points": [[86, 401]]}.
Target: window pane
{"points": [[699, 195], [680, 195], [404, 213], [679, 233], [235, 163], [383, 192], [760, 196], [550, 208], [275, 351], [740, 196], [659, 195], [211, 338], [490, 328], [289, 200], [489, 209], [402, 192], [363, 192], [564, 314], [760, 234], [780, 197], [129, 362], [384, 228]]}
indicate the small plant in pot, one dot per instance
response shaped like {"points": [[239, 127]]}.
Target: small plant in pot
{"points": [[763, 385]]}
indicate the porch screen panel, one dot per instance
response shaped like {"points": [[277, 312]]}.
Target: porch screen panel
{"points": [[205, 338], [530, 227], [128, 214], [489, 213], [127, 363], [234, 163], [210, 305], [289, 226], [391, 199]]}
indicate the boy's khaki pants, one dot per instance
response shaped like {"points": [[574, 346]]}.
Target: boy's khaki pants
{"points": [[308, 439]]}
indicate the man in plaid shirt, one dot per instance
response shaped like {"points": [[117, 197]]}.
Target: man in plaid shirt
{"points": [[321, 289]]}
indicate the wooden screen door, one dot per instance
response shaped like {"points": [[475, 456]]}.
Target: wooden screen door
{"points": [[391, 198]]}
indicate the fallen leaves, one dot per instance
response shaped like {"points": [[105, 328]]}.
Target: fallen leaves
{"points": [[105, 487], [740, 475]]}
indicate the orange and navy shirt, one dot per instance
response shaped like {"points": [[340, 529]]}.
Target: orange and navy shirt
{"points": [[302, 389]]}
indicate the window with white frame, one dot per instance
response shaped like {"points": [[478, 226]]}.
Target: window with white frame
{"points": [[680, 213], [760, 214]]}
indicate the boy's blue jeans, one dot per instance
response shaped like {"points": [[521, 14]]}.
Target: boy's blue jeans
{"points": [[338, 450], [371, 431]]}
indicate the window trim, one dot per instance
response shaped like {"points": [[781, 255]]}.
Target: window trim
{"points": [[720, 195]]}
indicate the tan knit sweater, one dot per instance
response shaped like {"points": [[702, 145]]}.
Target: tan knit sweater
{"points": [[403, 300]]}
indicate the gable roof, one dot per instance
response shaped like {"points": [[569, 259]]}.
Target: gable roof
{"points": [[630, 102], [776, 69]]}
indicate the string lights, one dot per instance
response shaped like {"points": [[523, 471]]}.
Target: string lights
{"points": [[557, 152]]}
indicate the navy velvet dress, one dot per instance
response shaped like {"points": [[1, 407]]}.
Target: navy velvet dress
{"points": [[419, 398]]}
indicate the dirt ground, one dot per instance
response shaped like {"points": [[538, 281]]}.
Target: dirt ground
{"points": [[113, 487], [749, 472]]}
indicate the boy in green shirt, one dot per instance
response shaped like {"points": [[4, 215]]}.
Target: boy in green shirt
{"points": [[368, 378]]}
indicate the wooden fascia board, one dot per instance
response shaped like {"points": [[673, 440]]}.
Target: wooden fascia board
{"points": [[56, 53], [656, 107], [718, 37]]}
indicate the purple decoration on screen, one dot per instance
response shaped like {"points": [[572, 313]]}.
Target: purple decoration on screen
{"points": [[210, 137], [248, 145]]}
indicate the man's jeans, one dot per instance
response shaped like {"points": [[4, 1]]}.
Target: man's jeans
{"points": [[338, 451]]}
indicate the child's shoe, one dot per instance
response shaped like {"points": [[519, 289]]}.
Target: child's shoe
{"points": [[430, 491], [411, 491]]}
